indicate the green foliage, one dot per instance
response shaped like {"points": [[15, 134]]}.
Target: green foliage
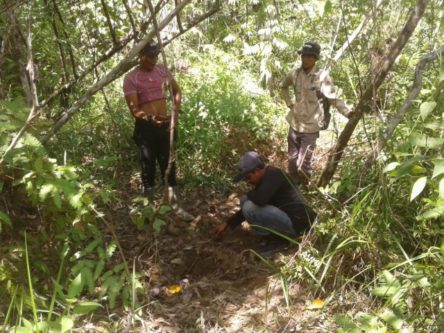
{"points": [[223, 108], [142, 212], [85, 260]]}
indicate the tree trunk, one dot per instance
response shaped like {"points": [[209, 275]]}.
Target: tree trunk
{"points": [[385, 65]]}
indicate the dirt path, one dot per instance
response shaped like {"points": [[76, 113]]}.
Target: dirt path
{"points": [[200, 285]]}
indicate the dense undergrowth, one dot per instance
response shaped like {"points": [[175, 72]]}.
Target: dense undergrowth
{"points": [[61, 201], [376, 254]]}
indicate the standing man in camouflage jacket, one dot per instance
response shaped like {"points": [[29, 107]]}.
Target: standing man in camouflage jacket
{"points": [[313, 88]]}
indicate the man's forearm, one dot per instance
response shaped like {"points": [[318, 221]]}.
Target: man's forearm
{"points": [[285, 94]]}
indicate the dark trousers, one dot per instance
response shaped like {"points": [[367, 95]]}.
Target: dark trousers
{"points": [[300, 154], [154, 145]]}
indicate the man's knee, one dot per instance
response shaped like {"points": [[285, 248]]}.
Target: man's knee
{"points": [[248, 208]]}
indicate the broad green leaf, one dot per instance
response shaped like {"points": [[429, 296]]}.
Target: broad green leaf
{"points": [[76, 286], [4, 218], [66, 323], [158, 223], [346, 324], [390, 278], [148, 212], [436, 125], [439, 167], [418, 187], [57, 199], [423, 282], [422, 140], [441, 188], [27, 323], [432, 213], [390, 317], [164, 209], [22, 330], [45, 190], [426, 108], [390, 167], [86, 307], [327, 7], [409, 166]]}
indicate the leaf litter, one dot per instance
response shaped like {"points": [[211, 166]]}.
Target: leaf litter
{"points": [[196, 284]]}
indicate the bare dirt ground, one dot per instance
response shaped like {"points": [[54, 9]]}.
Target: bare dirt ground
{"points": [[196, 284]]}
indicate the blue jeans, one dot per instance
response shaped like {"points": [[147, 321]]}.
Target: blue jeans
{"points": [[267, 216]]}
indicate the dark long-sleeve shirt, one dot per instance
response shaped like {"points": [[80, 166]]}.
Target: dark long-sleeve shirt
{"points": [[277, 189]]}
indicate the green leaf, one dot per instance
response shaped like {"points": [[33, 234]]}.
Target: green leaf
{"points": [[422, 140], [45, 190], [22, 330], [113, 291], [99, 269], [439, 167], [66, 323], [111, 249], [87, 276], [423, 282], [441, 188], [158, 223], [76, 286], [426, 108], [390, 278], [432, 213], [390, 167], [327, 7], [148, 212], [57, 199], [346, 324], [418, 187], [390, 317], [86, 307], [164, 210], [90, 247], [5, 219]]}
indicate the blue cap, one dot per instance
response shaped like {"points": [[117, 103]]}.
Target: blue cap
{"points": [[247, 163]]}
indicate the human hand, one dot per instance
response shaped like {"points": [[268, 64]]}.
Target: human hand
{"points": [[140, 115], [219, 231]]}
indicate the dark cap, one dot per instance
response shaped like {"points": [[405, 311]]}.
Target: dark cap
{"points": [[310, 48], [150, 49], [247, 163]]}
